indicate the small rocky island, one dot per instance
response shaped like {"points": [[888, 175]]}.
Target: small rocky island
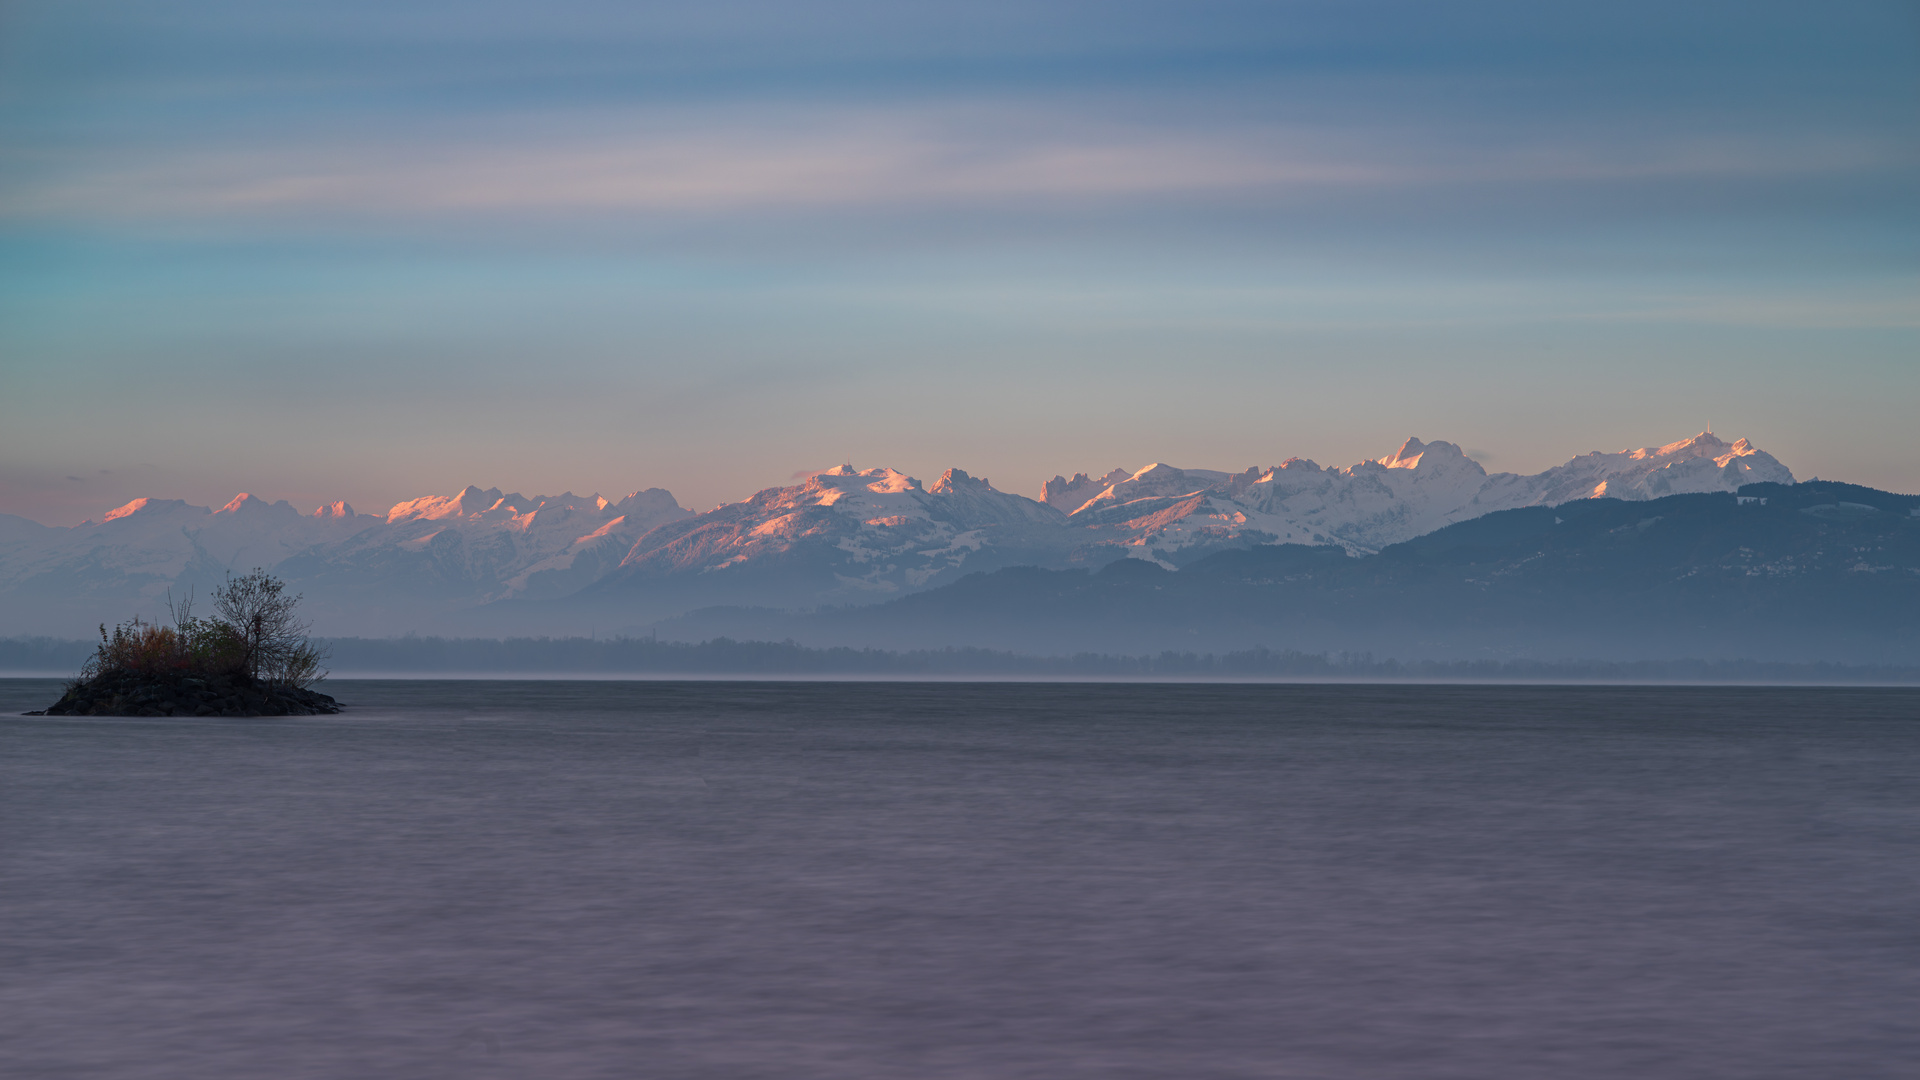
{"points": [[252, 659], [132, 693]]}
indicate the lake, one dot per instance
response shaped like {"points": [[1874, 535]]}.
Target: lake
{"points": [[980, 880]]}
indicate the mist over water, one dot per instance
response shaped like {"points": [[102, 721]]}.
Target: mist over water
{"points": [[601, 879]]}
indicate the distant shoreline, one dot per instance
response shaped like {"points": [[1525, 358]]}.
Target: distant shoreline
{"points": [[724, 659], [1056, 679]]}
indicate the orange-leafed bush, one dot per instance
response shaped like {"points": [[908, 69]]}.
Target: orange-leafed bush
{"points": [[255, 638], [191, 646], [142, 647]]}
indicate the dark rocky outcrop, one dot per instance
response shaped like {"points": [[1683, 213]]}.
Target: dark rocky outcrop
{"points": [[127, 693]]}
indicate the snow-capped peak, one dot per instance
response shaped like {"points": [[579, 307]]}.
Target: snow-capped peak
{"points": [[974, 502], [1418, 488], [147, 506], [1437, 454], [1702, 463], [954, 479], [471, 500], [1158, 480], [1067, 495], [879, 481], [1705, 444], [1406, 457], [244, 503]]}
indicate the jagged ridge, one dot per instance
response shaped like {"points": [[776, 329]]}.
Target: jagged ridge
{"points": [[843, 535]]}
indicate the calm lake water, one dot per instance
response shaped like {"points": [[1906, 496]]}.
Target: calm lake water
{"points": [[849, 881]]}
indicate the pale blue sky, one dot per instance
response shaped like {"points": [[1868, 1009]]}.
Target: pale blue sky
{"points": [[372, 251]]}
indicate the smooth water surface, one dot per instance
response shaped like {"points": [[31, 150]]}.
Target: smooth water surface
{"points": [[594, 879]]}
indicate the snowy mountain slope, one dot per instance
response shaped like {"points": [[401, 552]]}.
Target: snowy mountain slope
{"points": [[484, 560], [1819, 570], [842, 534], [426, 556], [16, 529], [1067, 495], [125, 563], [1689, 467], [1165, 513], [446, 554]]}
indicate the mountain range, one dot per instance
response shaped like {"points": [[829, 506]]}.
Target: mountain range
{"points": [[1819, 571], [484, 561]]}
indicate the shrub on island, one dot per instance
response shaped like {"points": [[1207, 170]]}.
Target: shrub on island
{"points": [[252, 659]]}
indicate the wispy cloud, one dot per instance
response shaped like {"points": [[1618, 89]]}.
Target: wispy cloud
{"points": [[695, 238], [705, 162]]}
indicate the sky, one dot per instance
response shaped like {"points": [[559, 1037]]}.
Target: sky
{"points": [[371, 251]]}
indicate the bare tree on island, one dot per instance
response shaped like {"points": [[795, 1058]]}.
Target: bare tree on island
{"points": [[251, 659], [274, 643]]}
